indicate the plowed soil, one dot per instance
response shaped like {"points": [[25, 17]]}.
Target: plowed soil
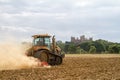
{"points": [[75, 67]]}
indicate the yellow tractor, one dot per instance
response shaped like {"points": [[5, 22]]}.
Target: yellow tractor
{"points": [[45, 50]]}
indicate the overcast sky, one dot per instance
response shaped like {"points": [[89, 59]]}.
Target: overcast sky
{"points": [[63, 18]]}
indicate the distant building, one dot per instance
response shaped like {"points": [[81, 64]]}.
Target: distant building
{"points": [[81, 39]]}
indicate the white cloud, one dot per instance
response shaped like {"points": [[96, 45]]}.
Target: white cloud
{"points": [[83, 3], [64, 18], [4, 0], [89, 34], [19, 29], [12, 28], [32, 14]]}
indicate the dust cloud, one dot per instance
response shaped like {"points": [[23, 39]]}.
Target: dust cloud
{"points": [[12, 56]]}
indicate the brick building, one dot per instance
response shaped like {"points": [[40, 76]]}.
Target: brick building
{"points": [[81, 39]]}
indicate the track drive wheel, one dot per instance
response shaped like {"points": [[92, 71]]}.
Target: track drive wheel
{"points": [[58, 60]]}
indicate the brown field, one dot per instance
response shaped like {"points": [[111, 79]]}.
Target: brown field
{"points": [[74, 67]]}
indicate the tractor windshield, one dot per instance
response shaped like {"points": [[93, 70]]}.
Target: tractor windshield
{"points": [[47, 42], [42, 41]]}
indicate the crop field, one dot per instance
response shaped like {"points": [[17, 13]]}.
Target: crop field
{"points": [[74, 67]]}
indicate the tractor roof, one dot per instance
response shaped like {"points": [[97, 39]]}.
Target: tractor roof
{"points": [[41, 35]]}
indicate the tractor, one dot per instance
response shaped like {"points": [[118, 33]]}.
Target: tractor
{"points": [[45, 50]]}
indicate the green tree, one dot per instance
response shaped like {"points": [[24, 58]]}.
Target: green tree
{"points": [[66, 46], [86, 45], [82, 51], [114, 48], [100, 47], [72, 48], [92, 49]]}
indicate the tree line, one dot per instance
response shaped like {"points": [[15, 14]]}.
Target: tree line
{"points": [[97, 46]]}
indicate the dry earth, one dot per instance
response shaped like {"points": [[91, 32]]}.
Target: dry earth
{"points": [[74, 67]]}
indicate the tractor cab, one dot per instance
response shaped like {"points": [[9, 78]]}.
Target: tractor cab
{"points": [[42, 41]]}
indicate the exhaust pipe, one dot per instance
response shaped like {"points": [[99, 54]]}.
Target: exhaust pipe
{"points": [[53, 43]]}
